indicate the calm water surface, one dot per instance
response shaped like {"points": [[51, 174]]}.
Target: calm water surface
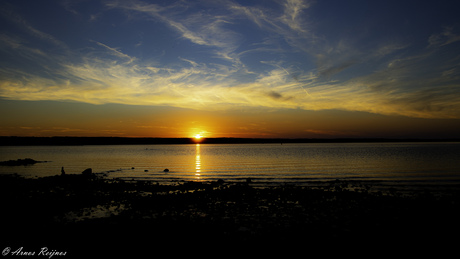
{"points": [[264, 163]]}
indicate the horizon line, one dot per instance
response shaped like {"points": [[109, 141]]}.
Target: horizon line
{"points": [[111, 140]]}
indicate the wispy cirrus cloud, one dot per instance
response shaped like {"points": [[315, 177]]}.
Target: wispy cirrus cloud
{"points": [[116, 52], [446, 37], [290, 24], [12, 16], [198, 86], [293, 15], [200, 28]]}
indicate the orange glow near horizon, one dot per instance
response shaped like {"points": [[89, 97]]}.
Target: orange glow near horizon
{"points": [[198, 138], [84, 120], [199, 134]]}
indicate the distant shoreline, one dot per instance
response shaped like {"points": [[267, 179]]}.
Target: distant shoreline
{"points": [[71, 141]]}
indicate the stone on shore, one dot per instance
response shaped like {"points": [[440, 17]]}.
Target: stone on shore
{"points": [[88, 172]]}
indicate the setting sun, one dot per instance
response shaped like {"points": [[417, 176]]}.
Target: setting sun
{"points": [[198, 136]]}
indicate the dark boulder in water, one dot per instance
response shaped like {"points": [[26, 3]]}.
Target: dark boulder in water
{"points": [[166, 170]]}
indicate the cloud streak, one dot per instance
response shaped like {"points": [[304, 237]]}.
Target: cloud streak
{"points": [[199, 28], [9, 14]]}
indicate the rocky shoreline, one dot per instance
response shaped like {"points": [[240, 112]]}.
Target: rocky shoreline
{"points": [[70, 211]]}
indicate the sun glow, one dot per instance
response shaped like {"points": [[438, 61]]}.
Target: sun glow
{"points": [[198, 136]]}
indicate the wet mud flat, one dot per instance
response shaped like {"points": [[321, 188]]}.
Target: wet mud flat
{"points": [[80, 213]]}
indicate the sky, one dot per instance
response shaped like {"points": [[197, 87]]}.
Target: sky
{"points": [[229, 68]]}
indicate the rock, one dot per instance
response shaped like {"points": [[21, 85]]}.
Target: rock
{"points": [[26, 161], [166, 170], [87, 172]]}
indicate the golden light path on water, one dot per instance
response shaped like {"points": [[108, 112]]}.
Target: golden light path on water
{"points": [[197, 162]]}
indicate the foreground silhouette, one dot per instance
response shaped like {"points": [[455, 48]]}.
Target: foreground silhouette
{"points": [[116, 215]]}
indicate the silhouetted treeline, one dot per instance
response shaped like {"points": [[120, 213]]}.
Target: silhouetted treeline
{"points": [[72, 141], [64, 141]]}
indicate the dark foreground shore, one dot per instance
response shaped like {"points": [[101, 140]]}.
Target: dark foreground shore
{"points": [[87, 216]]}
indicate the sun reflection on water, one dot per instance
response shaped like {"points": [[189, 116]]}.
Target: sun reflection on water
{"points": [[197, 162]]}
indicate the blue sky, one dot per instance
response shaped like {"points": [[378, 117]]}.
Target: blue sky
{"points": [[387, 58]]}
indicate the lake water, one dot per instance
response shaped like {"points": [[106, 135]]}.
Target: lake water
{"points": [[432, 163]]}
